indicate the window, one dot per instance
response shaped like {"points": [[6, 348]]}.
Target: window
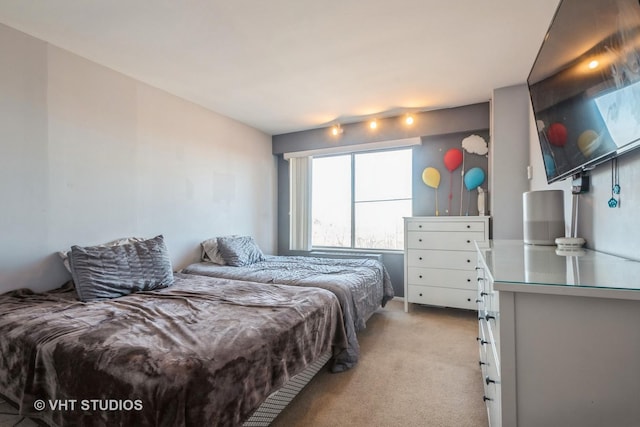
{"points": [[359, 199]]}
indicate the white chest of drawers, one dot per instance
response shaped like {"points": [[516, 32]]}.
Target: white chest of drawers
{"points": [[440, 259], [558, 336]]}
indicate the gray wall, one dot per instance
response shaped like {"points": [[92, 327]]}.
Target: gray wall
{"points": [[88, 155], [508, 159], [437, 122], [439, 130], [615, 231]]}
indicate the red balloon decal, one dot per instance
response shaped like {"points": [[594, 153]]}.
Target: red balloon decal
{"points": [[453, 159], [557, 134]]}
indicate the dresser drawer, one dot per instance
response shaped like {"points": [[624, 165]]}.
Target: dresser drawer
{"points": [[487, 294], [446, 297], [484, 345], [443, 240], [492, 390], [455, 260], [459, 279], [417, 225]]}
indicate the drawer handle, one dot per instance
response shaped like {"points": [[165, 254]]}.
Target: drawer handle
{"points": [[482, 294], [420, 294], [468, 226], [489, 381], [420, 258], [485, 398], [468, 280], [420, 276], [478, 301], [468, 241], [482, 342], [419, 225], [480, 279], [489, 317], [482, 363], [468, 299], [419, 240], [468, 260]]}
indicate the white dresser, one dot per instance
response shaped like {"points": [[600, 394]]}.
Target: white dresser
{"points": [[559, 336], [440, 259]]}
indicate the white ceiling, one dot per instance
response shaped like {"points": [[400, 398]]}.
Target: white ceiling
{"points": [[289, 65]]}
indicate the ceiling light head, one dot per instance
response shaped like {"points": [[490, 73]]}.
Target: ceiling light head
{"points": [[408, 120], [336, 130], [593, 64], [373, 124]]}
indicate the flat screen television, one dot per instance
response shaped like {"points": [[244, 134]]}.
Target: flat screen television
{"points": [[585, 85]]}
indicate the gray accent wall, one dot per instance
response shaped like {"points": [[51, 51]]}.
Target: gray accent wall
{"points": [[88, 155], [509, 158], [428, 123], [431, 154], [439, 130]]}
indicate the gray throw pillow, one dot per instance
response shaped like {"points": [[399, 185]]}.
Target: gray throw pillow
{"points": [[101, 272], [64, 255], [210, 252], [239, 250]]}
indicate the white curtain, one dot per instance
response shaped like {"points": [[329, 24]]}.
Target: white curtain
{"points": [[300, 203]]}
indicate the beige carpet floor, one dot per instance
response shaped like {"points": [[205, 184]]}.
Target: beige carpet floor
{"points": [[416, 369]]}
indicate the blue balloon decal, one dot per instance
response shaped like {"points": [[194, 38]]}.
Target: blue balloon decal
{"points": [[549, 164], [473, 178]]}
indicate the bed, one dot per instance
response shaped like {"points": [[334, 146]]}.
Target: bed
{"points": [[202, 351], [362, 285]]}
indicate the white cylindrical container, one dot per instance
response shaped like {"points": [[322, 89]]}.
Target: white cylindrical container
{"points": [[543, 216]]}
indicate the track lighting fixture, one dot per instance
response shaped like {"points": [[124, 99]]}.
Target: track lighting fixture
{"points": [[408, 120]]}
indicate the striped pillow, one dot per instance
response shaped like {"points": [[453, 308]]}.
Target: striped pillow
{"points": [[239, 250], [101, 272]]}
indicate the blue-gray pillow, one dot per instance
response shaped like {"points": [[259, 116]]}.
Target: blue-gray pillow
{"points": [[239, 250], [101, 272]]}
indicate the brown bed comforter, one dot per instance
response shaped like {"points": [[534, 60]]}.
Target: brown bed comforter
{"points": [[362, 285], [205, 351]]}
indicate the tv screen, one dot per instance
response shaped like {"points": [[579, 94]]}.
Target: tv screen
{"points": [[585, 85]]}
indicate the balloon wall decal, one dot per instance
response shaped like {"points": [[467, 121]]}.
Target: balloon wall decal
{"points": [[557, 134], [474, 144], [431, 177], [473, 178], [588, 142], [452, 161], [549, 164]]}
